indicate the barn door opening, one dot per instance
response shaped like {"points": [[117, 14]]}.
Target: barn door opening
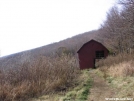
{"points": [[94, 63]]}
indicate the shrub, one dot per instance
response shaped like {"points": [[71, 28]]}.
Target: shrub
{"points": [[43, 76]]}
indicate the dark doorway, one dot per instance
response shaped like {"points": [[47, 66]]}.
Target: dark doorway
{"points": [[94, 64]]}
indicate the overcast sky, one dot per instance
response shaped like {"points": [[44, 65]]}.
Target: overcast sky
{"points": [[27, 24]]}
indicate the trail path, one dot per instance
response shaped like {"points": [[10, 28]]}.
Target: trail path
{"points": [[100, 89]]}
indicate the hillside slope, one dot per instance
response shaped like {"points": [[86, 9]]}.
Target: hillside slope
{"points": [[72, 44]]}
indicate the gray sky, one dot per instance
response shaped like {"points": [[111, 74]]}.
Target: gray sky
{"points": [[26, 24]]}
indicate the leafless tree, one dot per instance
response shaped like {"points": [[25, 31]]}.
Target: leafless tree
{"points": [[118, 29]]}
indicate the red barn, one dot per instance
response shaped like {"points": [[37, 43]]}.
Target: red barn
{"points": [[89, 52]]}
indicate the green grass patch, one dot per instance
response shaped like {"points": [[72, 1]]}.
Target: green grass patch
{"points": [[84, 94], [81, 92]]}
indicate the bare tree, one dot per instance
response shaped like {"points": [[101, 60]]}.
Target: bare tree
{"points": [[118, 29]]}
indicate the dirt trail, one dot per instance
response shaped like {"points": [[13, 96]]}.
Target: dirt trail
{"points": [[100, 89]]}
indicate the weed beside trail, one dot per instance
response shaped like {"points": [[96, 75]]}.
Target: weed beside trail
{"points": [[45, 75]]}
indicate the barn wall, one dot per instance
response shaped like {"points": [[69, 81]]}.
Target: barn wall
{"points": [[87, 54]]}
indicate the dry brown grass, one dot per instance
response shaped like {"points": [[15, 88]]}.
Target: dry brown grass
{"points": [[120, 65], [119, 70], [45, 75], [112, 60], [122, 69]]}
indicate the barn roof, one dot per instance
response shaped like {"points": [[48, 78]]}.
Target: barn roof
{"points": [[90, 42]]}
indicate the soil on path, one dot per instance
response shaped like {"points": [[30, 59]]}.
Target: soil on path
{"points": [[100, 88]]}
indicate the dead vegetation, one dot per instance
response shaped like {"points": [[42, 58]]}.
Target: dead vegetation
{"points": [[45, 75], [122, 69], [111, 60], [120, 65]]}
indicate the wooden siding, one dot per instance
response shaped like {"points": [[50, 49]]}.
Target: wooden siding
{"points": [[87, 54]]}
